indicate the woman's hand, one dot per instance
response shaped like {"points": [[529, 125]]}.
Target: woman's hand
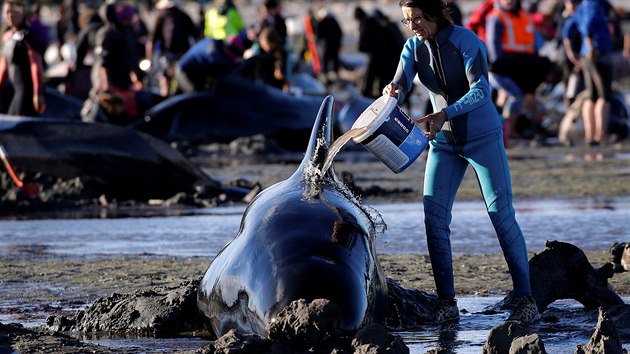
{"points": [[392, 90], [436, 121]]}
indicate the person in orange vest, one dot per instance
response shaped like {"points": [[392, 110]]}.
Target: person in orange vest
{"points": [[516, 68]]}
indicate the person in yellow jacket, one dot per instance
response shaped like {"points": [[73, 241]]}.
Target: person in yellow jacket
{"points": [[516, 69], [222, 21]]}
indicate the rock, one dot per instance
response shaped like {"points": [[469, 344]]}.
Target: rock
{"points": [[512, 337], [605, 338], [304, 327], [573, 277], [159, 311], [530, 344], [15, 338], [408, 308], [376, 339], [306, 324]]}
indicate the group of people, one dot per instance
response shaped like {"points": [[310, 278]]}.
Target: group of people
{"points": [[586, 35], [112, 54]]}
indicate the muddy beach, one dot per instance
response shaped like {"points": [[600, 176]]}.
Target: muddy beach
{"points": [[35, 284], [57, 285]]}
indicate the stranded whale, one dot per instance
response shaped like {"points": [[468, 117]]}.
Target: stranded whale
{"points": [[303, 238], [110, 160]]}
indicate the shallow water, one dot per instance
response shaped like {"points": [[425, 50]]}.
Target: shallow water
{"points": [[593, 225], [471, 333], [468, 337]]}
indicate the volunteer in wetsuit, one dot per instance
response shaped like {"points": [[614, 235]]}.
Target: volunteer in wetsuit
{"points": [[21, 63], [451, 63]]}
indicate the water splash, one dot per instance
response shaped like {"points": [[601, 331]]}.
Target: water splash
{"points": [[314, 181], [313, 175], [339, 143]]}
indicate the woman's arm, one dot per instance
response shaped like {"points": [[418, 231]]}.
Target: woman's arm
{"points": [[475, 63], [406, 71]]}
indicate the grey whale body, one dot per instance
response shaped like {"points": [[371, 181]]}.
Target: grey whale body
{"points": [[303, 238]]}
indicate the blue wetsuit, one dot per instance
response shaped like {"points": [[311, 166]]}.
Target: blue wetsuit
{"points": [[455, 72]]}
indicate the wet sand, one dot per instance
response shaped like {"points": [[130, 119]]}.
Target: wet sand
{"points": [[59, 285], [555, 172], [35, 285], [537, 173]]}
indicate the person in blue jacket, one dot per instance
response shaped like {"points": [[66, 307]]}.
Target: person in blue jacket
{"points": [[207, 61], [465, 130]]}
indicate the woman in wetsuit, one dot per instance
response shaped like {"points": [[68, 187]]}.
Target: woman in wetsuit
{"points": [[465, 130], [21, 63]]}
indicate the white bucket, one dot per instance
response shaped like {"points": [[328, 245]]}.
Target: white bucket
{"points": [[391, 135]]}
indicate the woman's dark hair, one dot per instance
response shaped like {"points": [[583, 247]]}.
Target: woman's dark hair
{"points": [[434, 10]]}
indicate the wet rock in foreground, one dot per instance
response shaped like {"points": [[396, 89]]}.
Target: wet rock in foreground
{"points": [[156, 312], [310, 327], [14, 338], [605, 339], [513, 337]]}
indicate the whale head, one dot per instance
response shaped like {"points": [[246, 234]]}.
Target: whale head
{"points": [[306, 237]]}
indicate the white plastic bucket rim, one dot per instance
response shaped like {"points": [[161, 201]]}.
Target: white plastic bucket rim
{"points": [[374, 116]]}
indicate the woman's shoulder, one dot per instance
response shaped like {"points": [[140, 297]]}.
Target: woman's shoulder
{"points": [[463, 32], [463, 36]]}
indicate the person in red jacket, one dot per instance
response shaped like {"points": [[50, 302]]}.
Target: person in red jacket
{"points": [[21, 63], [477, 19]]}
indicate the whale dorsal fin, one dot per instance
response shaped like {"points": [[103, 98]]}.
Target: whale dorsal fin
{"points": [[320, 140]]}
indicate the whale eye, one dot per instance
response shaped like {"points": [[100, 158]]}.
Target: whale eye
{"points": [[343, 233]]}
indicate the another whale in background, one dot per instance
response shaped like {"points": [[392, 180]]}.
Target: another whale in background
{"points": [[116, 161], [236, 108], [58, 105], [303, 238]]}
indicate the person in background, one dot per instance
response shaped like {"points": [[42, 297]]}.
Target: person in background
{"points": [[456, 13], [465, 130], [271, 16], [173, 33], [207, 61], [329, 37], [477, 20], [39, 30], [516, 68], [596, 64], [21, 63], [68, 25], [222, 20], [380, 39], [571, 42], [78, 80], [268, 61], [114, 78]]}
